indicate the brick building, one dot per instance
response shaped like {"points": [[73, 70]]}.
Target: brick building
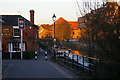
{"points": [[11, 37], [48, 30]]}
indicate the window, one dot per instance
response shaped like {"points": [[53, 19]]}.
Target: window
{"points": [[16, 31], [77, 37], [73, 33], [16, 47]]}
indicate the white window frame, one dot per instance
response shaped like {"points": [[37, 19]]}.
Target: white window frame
{"points": [[15, 27], [23, 46], [10, 45]]}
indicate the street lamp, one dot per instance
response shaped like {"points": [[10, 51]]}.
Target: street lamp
{"points": [[54, 18]]}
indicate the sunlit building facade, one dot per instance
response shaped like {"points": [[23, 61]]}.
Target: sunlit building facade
{"points": [[47, 30]]}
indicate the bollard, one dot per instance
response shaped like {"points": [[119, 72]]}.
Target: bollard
{"points": [[45, 55], [10, 55], [35, 55], [64, 58], [68, 59], [77, 62], [83, 63], [59, 55], [73, 60]]}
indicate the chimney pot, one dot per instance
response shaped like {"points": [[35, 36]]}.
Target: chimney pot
{"points": [[32, 16]]}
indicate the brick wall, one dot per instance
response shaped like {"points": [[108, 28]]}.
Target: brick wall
{"points": [[29, 35]]}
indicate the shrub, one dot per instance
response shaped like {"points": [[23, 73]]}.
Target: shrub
{"points": [[28, 54]]}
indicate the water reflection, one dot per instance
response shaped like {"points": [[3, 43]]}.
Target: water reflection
{"points": [[78, 53]]}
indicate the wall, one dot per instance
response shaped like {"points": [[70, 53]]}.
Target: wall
{"points": [[76, 34], [29, 35], [7, 34]]}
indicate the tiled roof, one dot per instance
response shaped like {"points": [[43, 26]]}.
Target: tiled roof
{"points": [[60, 21], [12, 20], [73, 24], [47, 26]]}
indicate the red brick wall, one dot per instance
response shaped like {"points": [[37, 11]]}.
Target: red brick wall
{"points": [[7, 33], [29, 36]]}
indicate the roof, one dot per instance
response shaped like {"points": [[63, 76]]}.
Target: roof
{"points": [[1, 21], [47, 26], [12, 20], [60, 21], [73, 24]]}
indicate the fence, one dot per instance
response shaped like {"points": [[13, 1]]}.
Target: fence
{"points": [[88, 65], [83, 63]]}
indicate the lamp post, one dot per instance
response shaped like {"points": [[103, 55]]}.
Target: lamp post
{"points": [[21, 24], [54, 18]]}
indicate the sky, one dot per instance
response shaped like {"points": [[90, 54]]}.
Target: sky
{"points": [[44, 9]]}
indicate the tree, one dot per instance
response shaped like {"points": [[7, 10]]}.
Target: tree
{"points": [[108, 28], [102, 29]]}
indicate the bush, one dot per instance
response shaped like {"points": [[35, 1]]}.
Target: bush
{"points": [[44, 45], [107, 70], [28, 54], [17, 55]]}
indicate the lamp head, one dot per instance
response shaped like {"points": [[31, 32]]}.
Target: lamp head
{"points": [[54, 17]]}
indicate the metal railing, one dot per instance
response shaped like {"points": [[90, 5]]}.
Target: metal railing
{"points": [[76, 61]]}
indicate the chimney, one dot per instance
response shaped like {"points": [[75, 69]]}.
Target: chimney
{"points": [[32, 16]]}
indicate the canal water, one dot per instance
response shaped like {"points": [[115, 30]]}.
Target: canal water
{"points": [[72, 54]]}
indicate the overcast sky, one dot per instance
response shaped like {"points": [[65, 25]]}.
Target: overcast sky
{"points": [[44, 9]]}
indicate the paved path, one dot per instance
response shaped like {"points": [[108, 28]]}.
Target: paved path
{"points": [[37, 68]]}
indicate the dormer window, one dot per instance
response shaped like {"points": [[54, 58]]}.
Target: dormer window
{"points": [[16, 31]]}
